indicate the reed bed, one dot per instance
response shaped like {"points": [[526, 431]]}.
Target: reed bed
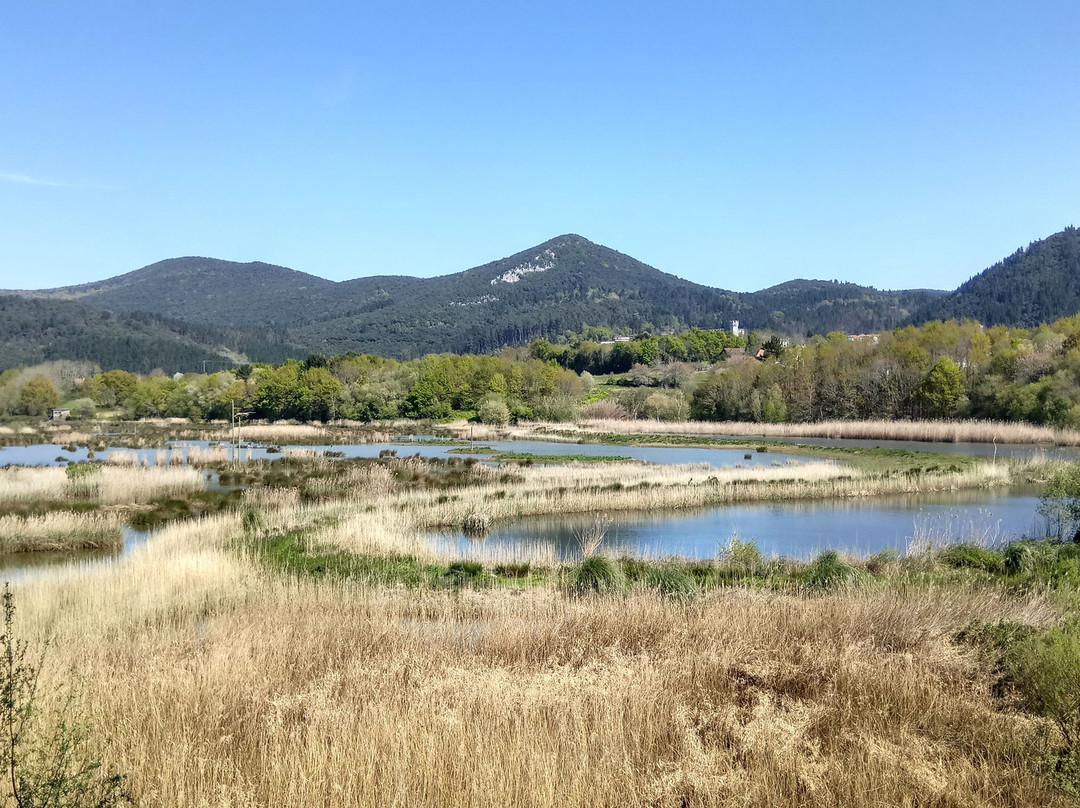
{"points": [[209, 455], [479, 432], [28, 484], [367, 519], [517, 502], [60, 531], [109, 485], [220, 687], [143, 484], [940, 431], [282, 432]]}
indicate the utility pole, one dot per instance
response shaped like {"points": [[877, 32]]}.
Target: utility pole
{"points": [[235, 424]]}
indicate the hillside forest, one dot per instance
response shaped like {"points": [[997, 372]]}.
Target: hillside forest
{"points": [[950, 369]]}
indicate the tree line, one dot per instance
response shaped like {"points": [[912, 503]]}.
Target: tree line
{"points": [[945, 369]]}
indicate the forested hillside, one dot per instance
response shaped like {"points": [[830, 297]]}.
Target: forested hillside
{"points": [[940, 370], [34, 330], [1039, 284], [562, 285]]}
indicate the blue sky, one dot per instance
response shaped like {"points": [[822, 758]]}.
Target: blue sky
{"points": [[734, 144]]}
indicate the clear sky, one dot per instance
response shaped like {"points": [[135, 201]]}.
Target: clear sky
{"points": [[736, 144]]}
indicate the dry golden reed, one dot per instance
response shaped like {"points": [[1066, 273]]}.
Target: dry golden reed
{"points": [[220, 686], [110, 485], [943, 431], [60, 531]]}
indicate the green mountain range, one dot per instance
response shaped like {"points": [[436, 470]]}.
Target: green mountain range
{"points": [[178, 313], [1039, 284]]}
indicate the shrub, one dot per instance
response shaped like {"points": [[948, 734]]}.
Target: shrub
{"points": [[670, 581], [829, 571], [83, 409], [75, 471], [1030, 556], [495, 412], [741, 554], [597, 574], [514, 570], [464, 572], [879, 562], [1060, 502], [475, 523], [1046, 670], [469, 569], [969, 555], [253, 520], [605, 409], [52, 762]]}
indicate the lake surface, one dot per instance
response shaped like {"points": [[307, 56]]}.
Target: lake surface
{"points": [[21, 566], [1018, 450], [796, 529], [52, 454], [793, 529]]}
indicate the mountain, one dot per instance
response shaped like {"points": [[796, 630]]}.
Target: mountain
{"points": [[560, 285], [817, 307], [1039, 284], [208, 290], [34, 330]]}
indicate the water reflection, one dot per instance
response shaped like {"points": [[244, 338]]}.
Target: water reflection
{"points": [[794, 529], [52, 454], [22, 566], [1014, 450]]}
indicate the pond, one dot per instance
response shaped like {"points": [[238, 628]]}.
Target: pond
{"points": [[21, 566], [52, 454], [1017, 450], [793, 529]]}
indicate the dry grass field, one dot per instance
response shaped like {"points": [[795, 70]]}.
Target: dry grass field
{"points": [[215, 679], [223, 684], [941, 431]]}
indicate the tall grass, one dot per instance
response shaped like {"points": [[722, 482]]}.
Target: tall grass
{"points": [[222, 682], [219, 686], [109, 485], [60, 531], [621, 487], [942, 431]]}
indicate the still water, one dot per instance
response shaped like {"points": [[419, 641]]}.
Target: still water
{"points": [[51, 454], [1017, 450], [795, 529], [21, 566]]}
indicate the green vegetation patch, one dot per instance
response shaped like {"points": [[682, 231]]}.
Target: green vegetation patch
{"points": [[529, 457], [170, 509], [292, 553], [829, 572], [598, 575], [970, 555], [1040, 669]]}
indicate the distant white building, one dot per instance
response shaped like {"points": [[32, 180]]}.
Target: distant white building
{"points": [[738, 332]]}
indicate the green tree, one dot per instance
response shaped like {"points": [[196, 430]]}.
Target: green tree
{"points": [[494, 411], [942, 388], [113, 387], [38, 396], [319, 394]]}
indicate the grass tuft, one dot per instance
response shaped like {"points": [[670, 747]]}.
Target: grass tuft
{"points": [[670, 580], [597, 575], [829, 572], [973, 557]]}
